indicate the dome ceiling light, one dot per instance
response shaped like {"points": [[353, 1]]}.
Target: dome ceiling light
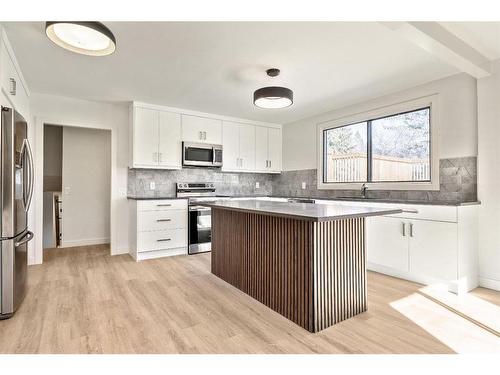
{"points": [[273, 96], [86, 38]]}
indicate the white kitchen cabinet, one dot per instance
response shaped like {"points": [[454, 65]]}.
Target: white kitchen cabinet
{"points": [[238, 142], [158, 228], [261, 149], [441, 244], [274, 149], [156, 139], [247, 147], [433, 249], [170, 143], [145, 137], [201, 129], [268, 149], [231, 146], [11, 81], [388, 242]]}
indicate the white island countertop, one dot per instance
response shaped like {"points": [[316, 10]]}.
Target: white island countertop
{"points": [[302, 211]]}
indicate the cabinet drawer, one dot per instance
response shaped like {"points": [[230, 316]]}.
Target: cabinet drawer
{"points": [[162, 205], [159, 240], [161, 220], [435, 213]]}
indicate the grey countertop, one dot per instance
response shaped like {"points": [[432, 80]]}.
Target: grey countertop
{"points": [[387, 200], [304, 211], [340, 199]]}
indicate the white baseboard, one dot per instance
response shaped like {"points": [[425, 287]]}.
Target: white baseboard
{"points": [[85, 242], [455, 286], [489, 283], [120, 251], [159, 253]]}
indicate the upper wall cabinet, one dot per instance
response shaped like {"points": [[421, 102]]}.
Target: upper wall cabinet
{"points": [[156, 139], [201, 129], [267, 149], [11, 81], [238, 142], [157, 133]]}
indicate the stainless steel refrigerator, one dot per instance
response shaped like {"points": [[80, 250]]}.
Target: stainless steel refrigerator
{"points": [[17, 178]]}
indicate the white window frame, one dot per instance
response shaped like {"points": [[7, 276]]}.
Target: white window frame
{"points": [[407, 106]]}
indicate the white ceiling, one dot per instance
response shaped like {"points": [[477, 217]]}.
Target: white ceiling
{"points": [[215, 66]]}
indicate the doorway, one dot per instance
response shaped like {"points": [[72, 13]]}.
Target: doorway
{"points": [[76, 186]]}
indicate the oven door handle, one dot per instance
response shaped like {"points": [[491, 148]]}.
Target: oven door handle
{"points": [[199, 208]]}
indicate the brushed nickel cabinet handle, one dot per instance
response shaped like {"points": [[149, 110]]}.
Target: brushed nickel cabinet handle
{"points": [[163, 239], [404, 229], [411, 229], [410, 211], [162, 220], [164, 205]]}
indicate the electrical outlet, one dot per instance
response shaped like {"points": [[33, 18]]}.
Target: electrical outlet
{"points": [[152, 185], [257, 185], [123, 192], [67, 190], [304, 185]]}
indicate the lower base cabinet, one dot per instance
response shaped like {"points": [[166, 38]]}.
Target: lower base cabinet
{"points": [[436, 244], [387, 242], [434, 249], [158, 228]]}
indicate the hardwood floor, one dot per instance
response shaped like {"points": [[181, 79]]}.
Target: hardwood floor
{"points": [[82, 300]]}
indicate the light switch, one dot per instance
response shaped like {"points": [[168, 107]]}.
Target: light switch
{"points": [[304, 185], [152, 185], [67, 190], [257, 185]]}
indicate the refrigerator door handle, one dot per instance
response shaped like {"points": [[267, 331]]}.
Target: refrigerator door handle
{"points": [[22, 165], [31, 174], [26, 238]]}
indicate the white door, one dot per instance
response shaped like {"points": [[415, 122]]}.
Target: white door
{"points": [[170, 142], [201, 129], [433, 249], [387, 241], [145, 137], [274, 145], [261, 149], [247, 147], [230, 145]]}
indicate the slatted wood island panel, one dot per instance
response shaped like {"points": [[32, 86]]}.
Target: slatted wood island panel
{"points": [[311, 271]]}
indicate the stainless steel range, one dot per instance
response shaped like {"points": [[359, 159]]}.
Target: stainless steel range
{"points": [[199, 217]]}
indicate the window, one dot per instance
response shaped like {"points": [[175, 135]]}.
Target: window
{"points": [[394, 148]]}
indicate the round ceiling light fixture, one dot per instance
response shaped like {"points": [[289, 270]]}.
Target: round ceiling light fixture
{"points": [[273, 96], [86, 38]]}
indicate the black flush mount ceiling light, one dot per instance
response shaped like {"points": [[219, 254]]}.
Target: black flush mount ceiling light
{"points": [[86, 38], [273, 96]]}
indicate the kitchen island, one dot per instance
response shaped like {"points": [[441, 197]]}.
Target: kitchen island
{"points": [[305, 261]]}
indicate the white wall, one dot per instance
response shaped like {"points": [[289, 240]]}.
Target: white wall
{"points": [[458, 121], [86, 173], [82, 113], [488, 95]]}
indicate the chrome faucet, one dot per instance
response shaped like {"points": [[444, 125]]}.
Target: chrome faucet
{"points": [[364, 188]]}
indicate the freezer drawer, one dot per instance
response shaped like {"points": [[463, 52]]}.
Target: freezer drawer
{"points": [[14, 271]]}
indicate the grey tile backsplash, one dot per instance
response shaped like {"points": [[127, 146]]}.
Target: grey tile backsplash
{"points": [[457, 179], [458, 183], [225, 183]]}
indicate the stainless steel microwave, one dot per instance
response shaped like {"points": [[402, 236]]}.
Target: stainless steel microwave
{"points": [[201, 155]]}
